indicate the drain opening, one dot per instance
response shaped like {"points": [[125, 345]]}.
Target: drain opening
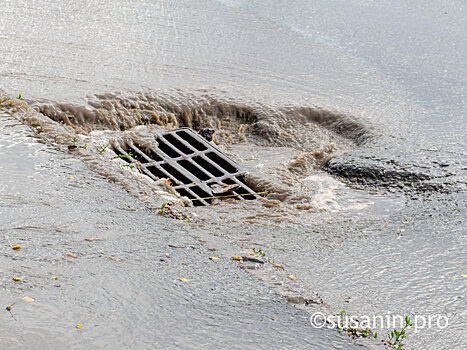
{"points": [[154, 173], [192, 168], [191, 163], [221, 162], [168, 150], [175, 173], [152, 156], [178, 144], [190, 195], [201, 194], [213, 169], [199, 146]]}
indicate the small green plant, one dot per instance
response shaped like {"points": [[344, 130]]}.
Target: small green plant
{"points": [[102, 148], [73, 141], [83, 146], [19, 97], [123, 155], [352, 331], [396, 337], [131, 166], [167, 211], [258, 251]]}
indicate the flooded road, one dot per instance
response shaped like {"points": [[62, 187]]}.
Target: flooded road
{"points": [[350, 116], [135, 299]]}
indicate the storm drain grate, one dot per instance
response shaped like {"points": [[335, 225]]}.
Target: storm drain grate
{"points": [[196, 169]]}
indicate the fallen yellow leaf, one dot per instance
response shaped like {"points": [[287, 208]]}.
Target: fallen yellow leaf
{"points": [[291, 277], [91, 238], [251, 253], [184, 279], [28, 299], [17, 279], [16, 247], [463, 275], [55, 277], [278, 266], [70, 255], [213, 257], [237, 258], [78, 326]]}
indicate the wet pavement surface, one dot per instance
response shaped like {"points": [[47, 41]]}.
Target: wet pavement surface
{"points": [[351, 116], [136, 300]]}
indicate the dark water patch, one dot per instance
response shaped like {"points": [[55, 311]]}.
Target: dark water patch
{"points": [[381, 175]]}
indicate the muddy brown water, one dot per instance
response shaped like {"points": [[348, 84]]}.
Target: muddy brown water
{"points": [[350, 117]]}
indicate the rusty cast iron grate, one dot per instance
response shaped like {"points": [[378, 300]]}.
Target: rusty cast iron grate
{"points": [[197, 169]]}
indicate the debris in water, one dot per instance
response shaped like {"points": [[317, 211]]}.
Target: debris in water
{"points": [[213, 257], [114, 258], [295, 299], [291, 277], [250, 267], [91, 238], [28, 299], [207, 133], [237, 258], [8, 308], [277, 266], [16, 247], [247, 258], [70, 255], [223, 188], [184, 279], [166, 210], [17, 279], [176, 246]]}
